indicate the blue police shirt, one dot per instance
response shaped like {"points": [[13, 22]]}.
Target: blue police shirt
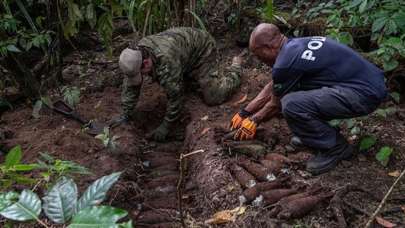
{"points": [[314, 62]]}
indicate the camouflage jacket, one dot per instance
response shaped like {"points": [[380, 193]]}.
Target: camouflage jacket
{"points": [[175, 52]]}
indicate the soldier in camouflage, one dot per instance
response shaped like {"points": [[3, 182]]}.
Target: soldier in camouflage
{"points": [[170, 58]]}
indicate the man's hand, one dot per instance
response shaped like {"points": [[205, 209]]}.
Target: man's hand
{"points": [[247, 130], [160, 133], [237, 119]]}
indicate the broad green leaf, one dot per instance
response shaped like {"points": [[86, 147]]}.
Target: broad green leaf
{"points": [[97, 191], [362, 6], [395, 96], [383, 156], [378, 24], [12, 48], [21, 179], [60, 202], [335, 123], [98, 217], [25, 167], [390, 65], [367, 142], [6, 199], [27, 208], [13, 156]]}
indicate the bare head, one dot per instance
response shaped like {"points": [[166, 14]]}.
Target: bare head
{"points": [[266, 41]]}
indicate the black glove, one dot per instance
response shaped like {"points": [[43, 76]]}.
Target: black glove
{"points": [[160, 133]]}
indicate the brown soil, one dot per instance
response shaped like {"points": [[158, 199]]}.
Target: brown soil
{"points": [[148, 188]]}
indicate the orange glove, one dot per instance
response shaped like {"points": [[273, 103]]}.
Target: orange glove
{"points": [[247, 130], [237, 119]]}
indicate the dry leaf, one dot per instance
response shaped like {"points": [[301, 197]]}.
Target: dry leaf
{"points": [[98, 105], [225, 216], [243, 99], [396, 173], [204, 118], [205, 130], [385, 223]]}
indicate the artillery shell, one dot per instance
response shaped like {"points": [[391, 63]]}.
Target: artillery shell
{"points": [[272, 166], [244, 178], [277, 157], [273, 196], [299, 207], [251, 193], [259, 171]]}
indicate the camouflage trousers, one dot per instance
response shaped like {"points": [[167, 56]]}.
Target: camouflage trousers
{"points": [[215, 84]]}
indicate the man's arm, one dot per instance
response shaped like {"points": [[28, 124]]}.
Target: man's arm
{"points": [[171, 79], [130, 95], [269, 110], [261, 99]]}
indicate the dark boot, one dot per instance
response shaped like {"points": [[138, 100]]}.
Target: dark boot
{"points": [[327, 160]]}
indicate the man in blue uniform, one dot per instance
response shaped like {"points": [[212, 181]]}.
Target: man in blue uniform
{"points": [[315, 79]]}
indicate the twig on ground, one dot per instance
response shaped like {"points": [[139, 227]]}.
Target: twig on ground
{"points": [[192, 153], [370, 221], [180, 183]]}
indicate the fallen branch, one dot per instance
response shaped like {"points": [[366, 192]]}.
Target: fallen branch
{"points": [[370, 221]]}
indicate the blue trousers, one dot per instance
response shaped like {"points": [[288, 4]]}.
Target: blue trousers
{"points": [[308, 112]]}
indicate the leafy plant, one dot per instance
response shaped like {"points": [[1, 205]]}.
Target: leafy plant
{"points": [[57, 168], [108, 140], [353, 125], [12, 170], [71, 95], [384, 112], [61, 205], [367, 142], [383, 155], [269, 13]]}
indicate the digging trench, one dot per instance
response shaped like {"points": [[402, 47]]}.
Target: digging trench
{"points": [[215, 173]]}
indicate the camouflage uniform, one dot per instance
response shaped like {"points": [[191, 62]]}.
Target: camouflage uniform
{"points": [[178, 54]]}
